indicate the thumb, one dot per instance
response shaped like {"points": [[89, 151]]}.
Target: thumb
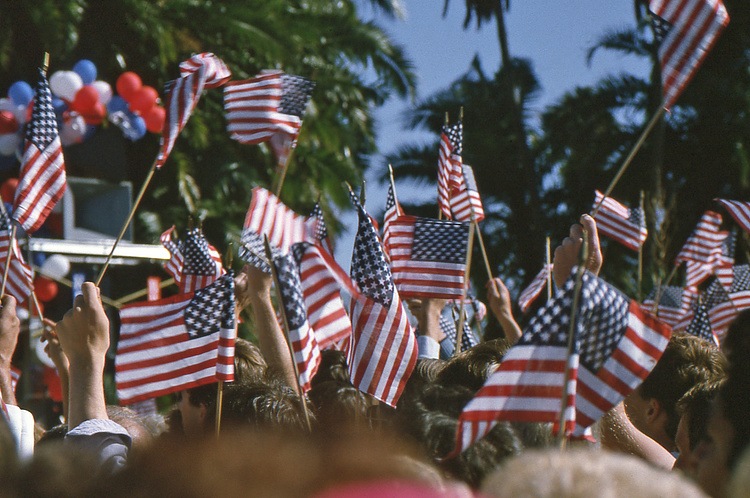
{"points": [[9, 302], [589, 226], [90, 293]]}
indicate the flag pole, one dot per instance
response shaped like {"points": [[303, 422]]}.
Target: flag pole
{"points": [[393, 184], [445, 124], [8, 257], [138, 199], [549, 269], [282, 174], [220, 386], [462, 311], [646, 131], [640, 258], [284, 322]]}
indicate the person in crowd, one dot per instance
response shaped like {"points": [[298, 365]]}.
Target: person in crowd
{"points": [[694, 409]]}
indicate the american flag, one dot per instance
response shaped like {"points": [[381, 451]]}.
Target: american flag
{"points": [[740, 291], [19, 281], [392, 212], [621, 223], [268, 216], [317, 228], [176, 343], [670, 309], [201, 71], [616, 345], [705, 249], [465, 200], [383, 348], [534, 289], [301, 335], [700, 326], [322, 281], [267, 107], [721, 308], [428, 257], [449, 165], [173, 266], [42, 177], [724, 262], [739, 210], [685, 31], [450, 328], [193, 262]]}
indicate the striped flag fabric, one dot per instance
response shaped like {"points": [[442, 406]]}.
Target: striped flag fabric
{"points": [[392, 212], [739, 210], [41, 182], [200, 72], [176, 343], [449, 327], [685, 31], [193, 262], [706, 240], [383, 347], [322, 281], [466, 203], [301, 335], [616, 345], [428, 257], [317, 228], [535, 288], [449, 165], [700, 326], [670, 309], [20, 276], [268, 216], [721, 308], [621, 223], [173, 266]]}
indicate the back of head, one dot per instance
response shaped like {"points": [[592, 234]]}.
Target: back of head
{"points": [[249, 365], [261, 406], [338, 404], [140, 434], [332, 367], [471, 368], [696, 405]]}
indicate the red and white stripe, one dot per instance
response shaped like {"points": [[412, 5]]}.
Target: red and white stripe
{"points": [[173, 266], [447, 178], [267, 215], [20, 276], [41, 184], [739, 210], [534, 289], [696, 25], [465, 201], [704, 244], [613, 220]]}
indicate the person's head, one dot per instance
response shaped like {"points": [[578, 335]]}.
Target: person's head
{"points": [[249, 365], [686, 361], [694, 409], [472, 367], [130, 420], [332, 367], [338, 404]]}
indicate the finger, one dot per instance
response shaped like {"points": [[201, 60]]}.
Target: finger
{"points": [[576, 231], [90, 293], [589, 226], [9, 304]]}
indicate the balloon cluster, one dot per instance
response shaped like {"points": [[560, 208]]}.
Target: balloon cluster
{"points": [[82, 103]]}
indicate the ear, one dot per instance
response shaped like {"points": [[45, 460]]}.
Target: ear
{"points": [[654, 410]]}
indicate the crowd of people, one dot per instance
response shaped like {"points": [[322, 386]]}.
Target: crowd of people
{"points": [[682, 432]]}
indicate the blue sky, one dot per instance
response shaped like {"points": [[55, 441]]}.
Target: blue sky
{"points": [[555, 35]]}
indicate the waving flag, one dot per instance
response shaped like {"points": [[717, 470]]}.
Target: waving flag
{"points": [[700, 326], [685, 31], [670, 309], [705, 249], [739, 210], [176, 343], [199, 72], [193, 262], [317, 228], [450, 328], [449, 165], [530, 293], [616, 345], [392, 212], [173, 266], [465, 201], [621, 223], [20, 276], [428, 257], [383, 348], [42, 177], [301, 335]]}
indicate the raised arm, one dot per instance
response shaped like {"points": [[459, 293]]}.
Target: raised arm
{"points": [[568, 254], [56, 354], [10, 327], [498, 298]]}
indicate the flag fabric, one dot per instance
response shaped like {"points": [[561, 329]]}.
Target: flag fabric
{"points": [[322, 281], [317, 228], [20, 276], [193, 262], [268, 216], [449, 326], [383, 347], [685, 31], [392, 212], [621, 223], [616, 344], [724, 262], [301, 336], [721, 308], [449, 165], [41, 181], [534, 289], [705, 241], [700, 326], [176, 343], [200, 72], [267, 107], [428, 257], [465, 200], [173, 266], [739, 210], [670, 309]]}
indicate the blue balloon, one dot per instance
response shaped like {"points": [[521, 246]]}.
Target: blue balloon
{"points": [[59, 105], [21, 93], [117, 103], [38, 258], [139, 127], [86, 70]]}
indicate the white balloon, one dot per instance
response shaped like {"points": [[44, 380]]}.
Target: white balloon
{"points": [[9, 143], [56, 267], [104, 89], [73, 129], [7, 105], [22, 313], [65, 84], [20, 112], [39, 346]]}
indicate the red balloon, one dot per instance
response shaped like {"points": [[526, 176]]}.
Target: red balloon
{"points": [[85, 100], [127, 84], [96, 115], [143, 100], [8, 122], [45, 289], [8, 189], [154, 119]]}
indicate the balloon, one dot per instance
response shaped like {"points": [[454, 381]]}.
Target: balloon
{"points": [[154, 119], [104, 89], [56, 266], [139, 127], [8, 145], [143, 99], [8, 189], [86, 70], [127, 84], [85, 100], [117, 104], [96, 115], [39, 346], [45, 289], [8, 122], [59, 105], [21, 93], [73, 129], [23, 113], [65, 84]]}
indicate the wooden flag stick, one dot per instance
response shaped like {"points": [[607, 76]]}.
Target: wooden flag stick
{"points": [[549, 270], [219, 402], [138, 199], [655, 119], [462, 311], [484, 251], [393, 184], [284, 322], [640, 259], [8, 258], [282, 174]]}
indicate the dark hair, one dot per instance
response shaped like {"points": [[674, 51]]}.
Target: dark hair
{"points": [[696, 406], [733, 396], [332, 367], [686, 361], [337, 404], [471, 368]]}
